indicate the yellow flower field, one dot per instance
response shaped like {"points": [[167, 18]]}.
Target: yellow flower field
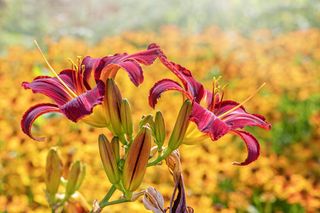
{"points": [[286, 176]]}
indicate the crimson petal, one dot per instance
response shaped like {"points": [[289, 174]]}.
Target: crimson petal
{"points": [[239, 118], [252, 145], [134, 71], [191, 85], [83, 104], [129, 62], [208, 122], [90, 64], [32, 114], [50, 87], [162, 86]]}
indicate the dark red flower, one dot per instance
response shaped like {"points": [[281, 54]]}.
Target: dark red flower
{"points": [[219, 117], [77, 91]]}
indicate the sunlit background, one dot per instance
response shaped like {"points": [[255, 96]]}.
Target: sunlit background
{"points": [[245, 42]]}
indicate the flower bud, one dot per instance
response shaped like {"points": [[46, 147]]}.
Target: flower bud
{"points": [[75, 178], [53, 173], [137, 159], [126, 117], [108, 159], [116, 148], [81, 176], [112, 102], [180, 126], [159, 129], [153, 200]]}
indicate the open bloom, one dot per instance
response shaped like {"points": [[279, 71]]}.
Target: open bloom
{"points": [[219, 117], [77, 91]]}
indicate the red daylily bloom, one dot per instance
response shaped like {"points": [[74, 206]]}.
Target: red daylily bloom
{"points": [[75, 96], [219, 117]]}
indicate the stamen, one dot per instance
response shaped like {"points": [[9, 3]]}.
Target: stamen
{"points": [[243, 102], [71, 93], [215, 90], [73, 64]]}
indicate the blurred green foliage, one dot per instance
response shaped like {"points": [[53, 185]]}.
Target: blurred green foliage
{"points": [[294, 125]]}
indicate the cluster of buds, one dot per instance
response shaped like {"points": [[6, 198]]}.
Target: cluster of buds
{"points": [[68, 199], [127, 155]]}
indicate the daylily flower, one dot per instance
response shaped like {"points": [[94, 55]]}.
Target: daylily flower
{"points": [[77, 91], [219, 117]]}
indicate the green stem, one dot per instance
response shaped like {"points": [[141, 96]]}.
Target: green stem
{"points": [[108, 195], [123, 139], [104, 204], [164, 155]]}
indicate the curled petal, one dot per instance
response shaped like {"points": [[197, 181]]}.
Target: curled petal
{"points": [[109, 66], [134, 71], [191, 85], [50, 87], [208, 122], [146, 57], [239, 118], [252, 145], [32, 114], [83, 105], [162, 86]]}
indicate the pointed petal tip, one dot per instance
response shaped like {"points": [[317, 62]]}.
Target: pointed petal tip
{"points": [[32, 114]]}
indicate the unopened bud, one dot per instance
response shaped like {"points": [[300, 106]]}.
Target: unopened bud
{"points": [[81, 176], [126, 117], [53, 172], [108, 159], [153, 200], [116, 148], [112, 102], [159, 129], [137, 159], [73, 178], [180, 126]]}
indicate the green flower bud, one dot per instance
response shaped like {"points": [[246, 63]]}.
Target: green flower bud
{"points": [[116, 147], [81, 176], [126, 117], [159, 129], [108, 159], [75, 178], [54, 170], [137, 159], [180, 126], [112, 102]]}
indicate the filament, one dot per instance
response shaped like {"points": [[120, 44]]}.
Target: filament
{"points": [[71, 93], [243, 102]]}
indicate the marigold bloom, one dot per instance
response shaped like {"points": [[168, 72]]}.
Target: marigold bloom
{"points": [[219, 117]]}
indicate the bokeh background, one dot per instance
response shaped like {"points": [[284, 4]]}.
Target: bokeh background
{"points": [[246, 42]]}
